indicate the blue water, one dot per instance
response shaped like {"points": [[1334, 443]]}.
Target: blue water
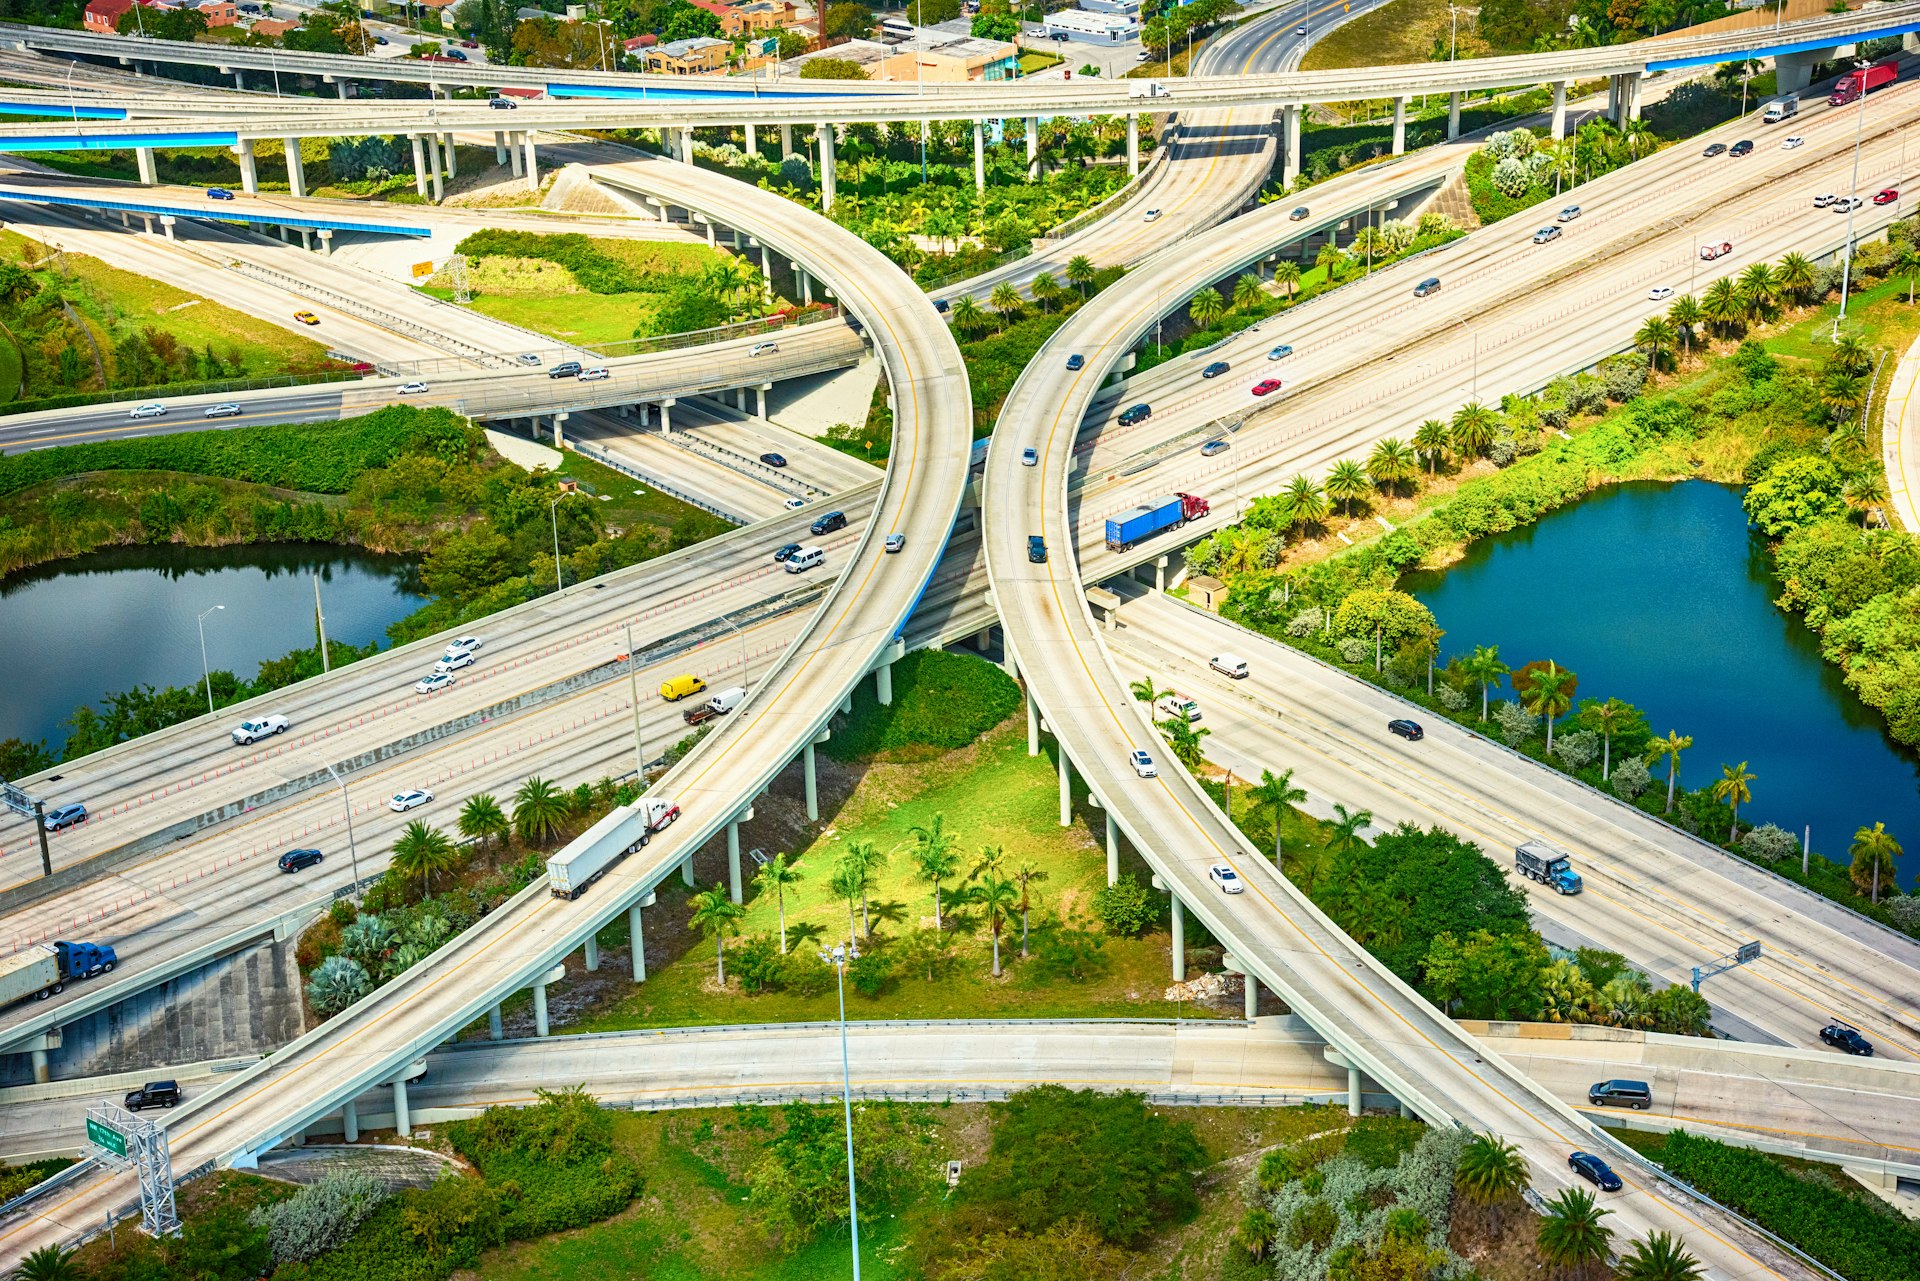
{"points": [[1657, 594]]}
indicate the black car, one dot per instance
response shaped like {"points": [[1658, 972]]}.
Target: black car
{"points": [[1620, 1094], [774, 460], [1036, 549], [830, 522], [1742, 148], [501, 104], [294, 860], [1135, 414], [1214, 370], [154, 1094], [1595, 1171], [785, 551], [1076, 361], [942, 306], [565, 369], [1715, 149], [1409, 730], [1842, 1037]]}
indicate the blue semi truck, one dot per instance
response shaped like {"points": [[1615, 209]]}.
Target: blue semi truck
{"points": [[45, 968], [1158, 515]]}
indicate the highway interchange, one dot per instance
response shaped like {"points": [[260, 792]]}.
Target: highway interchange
{"points": [[1395, 361]]}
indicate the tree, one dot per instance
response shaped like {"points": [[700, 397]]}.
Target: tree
{"points": [[1732, 791], [1795, 493], [1670, 747], [998, 897], [1571, 1239], [969, 317], [847, 21], [1656, 334], [1286, 274], [715, 915], [1026, 873], [1721, 305], [1392, 464], [849, 882], [482, 819], [1346, 481], [1608, 719], [1546, 691], [778, 874], [1304, 502], [1126, 907], [1485, 667], [1795, 275], [1206, 307], [934, 857], [1278, 791], [1487, 975], [1659, 1257], [421, 851], [1906, 262], [1759, 287], [1331, 259], [1247, 293], [868, 858], [1347, 826], [1474, 425], [1046, 290], [1183, 739], [1432, 439], [1081, 272], [1686, 316], [1144, 690], [539, 809], [1490, 1173], [1874, 851], [1008, 302], [50, 1263]]}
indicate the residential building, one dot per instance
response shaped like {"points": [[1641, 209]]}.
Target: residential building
{"points": [[949, 53], [103, 16], [1131, 8], [1092, 28], [698, 56], [218, 13]]}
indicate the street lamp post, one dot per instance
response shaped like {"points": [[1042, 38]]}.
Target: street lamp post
{"points": [[205, 674], [553, 513], [633, 696], [846, 1102], [741, 637], [353, 850], [1853, 201]]}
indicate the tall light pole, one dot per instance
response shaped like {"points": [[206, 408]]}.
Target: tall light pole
{"points": [[353, 850], [553, 512], [743, 644], [839, 960], [1853, 202], [205, 674], [320, 620], [633, 696]]}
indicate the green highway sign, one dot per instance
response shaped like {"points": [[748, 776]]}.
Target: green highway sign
{"points": [[102, 1135]]}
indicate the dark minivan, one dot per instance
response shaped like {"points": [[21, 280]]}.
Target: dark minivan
{"points": [[565, 369], [830, 522], [1135, 414], [1036, 549], [154, 1094], [1620, 1094], [1431, 285]]}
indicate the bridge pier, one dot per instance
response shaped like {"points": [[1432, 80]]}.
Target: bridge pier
{"points": [[686, 157], [734, 887], [1400, 126], [686, 872], [1179, 940], [532, 164], [1559, 129], [1794, 71], [1453, 115], [637, 940], [402, 1122], [825, 134], [786, 141], [1113, 849], [1033, 148], [341, 86], [760, 401], [1066, 786], [143, 156], [666, 415], [496, 1030], [753, 140], [883, 684], [249, 172], [326, 242], [590, 954], [296, 169], [453, 161], [350, 1121], [433, 168], [979, 155], [419, 166], [1133, 146], [553, 975], [1290, 146], [166, 225], [1033, 727]]}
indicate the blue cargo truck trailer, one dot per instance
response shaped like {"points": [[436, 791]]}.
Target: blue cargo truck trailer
{"points": [[1136, 524]]}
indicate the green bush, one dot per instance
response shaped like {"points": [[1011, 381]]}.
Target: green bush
{"points": [[1126, 907], [940, 699]]}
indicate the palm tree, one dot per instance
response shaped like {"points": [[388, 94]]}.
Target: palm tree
{"points": [[539, 808], [778, 875], [935, 856], [1759, 289], [1686, 316], [1659, 1257], [1733, 791], [1474, 426], [1484, 665], [1670, 747], [1183, 739], [869, 858], [716, 916], [1721, 304], [1392, 463], [1286, 273], [1346, 481], [1346, 828], [1046, 290], [1278, 791], [1874, 851], [1607, 719], [1432, 439], [1549, 693], [1080, 272], [482, 819], [988, 862], [1206, 307], [49, 1263], [1332, 259], [1571, 1237], [1795, 275], [1490, 1173], [969, 316], [1026, 873], [1851, 354], [1656, 334], [1906, 262], [1144, 690], [1007, 301], [1247, 293], [1866, 491], [998, 897], [849, 882], [1305, 503], [422, 850], [1843, 393]]}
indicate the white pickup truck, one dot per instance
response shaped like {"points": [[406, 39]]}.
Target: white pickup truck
{"points": [[260, 727]]}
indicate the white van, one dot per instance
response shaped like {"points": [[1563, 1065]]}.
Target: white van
{"points": [[1177, 707], [805, 559], [726, 700], [1228, 665]]}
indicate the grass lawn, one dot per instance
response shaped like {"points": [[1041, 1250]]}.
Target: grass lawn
{"points": [[626, 508], [1402, 31]]}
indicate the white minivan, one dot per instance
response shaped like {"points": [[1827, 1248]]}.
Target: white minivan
{"points": [[805, 559], [1228, 665]]}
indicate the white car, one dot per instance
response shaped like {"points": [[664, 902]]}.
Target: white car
{"points": [[795, 504], [1660, 293], [599, 373], [152, 409], [1824, 199], [411, 389], [1152, 215], [433, 682], [1029, 457], [228, 410], [528, 359], [259, 727], [413, 800], [763, 349], [1142, 764], [453, 663], [465, 645], [1790, 142], [1569, 213], [1226, 878]]}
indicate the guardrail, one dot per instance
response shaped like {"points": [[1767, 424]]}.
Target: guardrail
{"points": [[745, 464], [606, 459]]}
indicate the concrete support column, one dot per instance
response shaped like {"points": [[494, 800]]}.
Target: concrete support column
{"points": [[453, 160], [434, 177], [296, 169], [1453, 115], [1179, 941], [825, 133], [341, 87], [786, 141], [1033, 148], [1160, 573], [760, 401], [712, 237], [984, 640], [1406, 1112], [402, 1123], [539, 1009], [326, 241], [1290, 146], [813, 784], [143, 156], [1113, 849], [979, 155], [1033, 728], [1634, 82], [350, 1121], [733, 860], [419, 166], [1066, 787], [41, 1074], [1353, 1090], [638, 944], [500, 148], [249, 172], [883, 684], [239, 81], [1614, 97], [532, 163], [666, 416], [1252, 1006], [166, 225], [1399, 126], [590, 954], [686, 146], [560, 430], [513, 156], [1133, 146], [753, 140], [1559, 128], [496, 1030]]}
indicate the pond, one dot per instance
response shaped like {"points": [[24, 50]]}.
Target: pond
{"points": [[109, 621], [1657, 594]]}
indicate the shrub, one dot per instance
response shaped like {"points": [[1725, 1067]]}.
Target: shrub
{"points": [[1354, 650], [1630, 777], [1516, 723], [336, 984], [319, 1217], [1306, 622], [1452, 699], [757, 963], [1905, 912], [803, 973], [1578, 749], [871, 973], [1126, 907], [1512, 178], [940, 699], [1771, 843]]}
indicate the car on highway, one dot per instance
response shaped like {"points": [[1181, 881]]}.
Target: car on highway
{"points": [[1842, 1037], [227, 410], [1846, 204], [465, 645], [1744, 147], [1029, 457], [65, 816], [1076, 361], [1300, 30], [154, 1094], [1569, 213], [306, 317], [412, 799], [764, 349], [1595, 1171], [1620, 1094], [1718, 249], [805, 559], [1660, 293], [795, 504], [1214, 370], [433, 682], [453, 662], [1135, 414], [219, 193], [1152, 215], [528, 359], [829, 522], [774, 460], [1714, 149], [1280, 353], [1299, 215], [598, 373], [1213, 447], [501, 104], [1886, 197], [565, 369], [411, 389], [1036, 549], [1824, 199], [454, 55], [1546, 235], [783, 551], [255, 728], [1226, 878], [1431, 285], [896, 543], [1409, 730], [1791, 141], [294, 860], [152, 409], [1266, 386], [1142, 763]]}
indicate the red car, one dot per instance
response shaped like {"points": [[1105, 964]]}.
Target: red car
{"points": [[1709, 252], [1266, 385], [1886, 197]]}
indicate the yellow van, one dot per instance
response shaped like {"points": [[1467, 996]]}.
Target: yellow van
{"points": [[681, 687]]}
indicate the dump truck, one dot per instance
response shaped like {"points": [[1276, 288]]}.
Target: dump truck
{"points": [[46, 968], [1137, 524], [1547, 864]]}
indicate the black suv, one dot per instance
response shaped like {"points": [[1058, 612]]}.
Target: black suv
{"points": [[294, 860], [1409, 730], [1742, 148], [830, 522], [565, 369], [1842, 1037], [154, 1094], [1036, 549], [1620, 1094], [1135, 414]]}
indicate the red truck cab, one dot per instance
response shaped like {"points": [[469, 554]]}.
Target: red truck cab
{"points": [[1862, 81]]}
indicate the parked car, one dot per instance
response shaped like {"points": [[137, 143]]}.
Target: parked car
{"points": [[784, 551], [1213, 447], [1214, 370], [1886, 196], [774, 460], [433, 682], [154, 1094], [65, 816], [152, 409], [227, 410], [1620, 1094], [1280, 353], [1226, 878], [1266, 386], [1409, 730], [1546, 235], [1142, 763], [1029, 457], [306, 317], [1076, 361], [294, 860], [1842, 1037], [411, 799], [1595, 1171], [896, 543]]}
